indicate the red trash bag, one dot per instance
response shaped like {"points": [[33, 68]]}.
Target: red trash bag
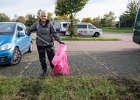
{"points": [[60, 62]]}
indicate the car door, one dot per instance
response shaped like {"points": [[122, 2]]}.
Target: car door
{"points": [[22, 38], [82, 29], [91, 29], [28, 39]]}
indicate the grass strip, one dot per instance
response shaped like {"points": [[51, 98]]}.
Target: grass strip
{"points": [[76, 38], [73, 87], [118, 30]]}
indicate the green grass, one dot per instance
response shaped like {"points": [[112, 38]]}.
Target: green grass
{"points": [[84, 38], [119, 30], [69, 88], [76, 38]]}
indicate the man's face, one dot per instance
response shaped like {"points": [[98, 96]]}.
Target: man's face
{"points": [[43, 17]]}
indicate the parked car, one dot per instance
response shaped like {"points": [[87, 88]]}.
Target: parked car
{"points": [[87, 29], [136, 35], [13, 42]]}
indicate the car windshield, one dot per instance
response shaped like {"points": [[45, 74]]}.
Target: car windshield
{"points": [[7, 28]]}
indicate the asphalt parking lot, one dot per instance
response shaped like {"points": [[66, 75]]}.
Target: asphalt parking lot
{"points": [[96, 58]]}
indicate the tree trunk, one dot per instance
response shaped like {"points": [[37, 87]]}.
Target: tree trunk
{"points": [[71, 25]]}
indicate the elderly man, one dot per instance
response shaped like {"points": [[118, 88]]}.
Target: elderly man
{"points": [[45, 34]]}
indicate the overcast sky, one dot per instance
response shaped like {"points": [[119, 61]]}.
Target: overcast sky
{"points": [[93, 9]]}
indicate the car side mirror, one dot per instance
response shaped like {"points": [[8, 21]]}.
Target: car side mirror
{"points": [[20, 34]]}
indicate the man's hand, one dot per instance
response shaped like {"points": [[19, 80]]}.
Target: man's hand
{"points": [[62, 42], [27, 32]]}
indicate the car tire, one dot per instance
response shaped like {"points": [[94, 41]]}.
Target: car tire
{"points": [[97, 34], [64, 33], [30, 48], [16, 56]]}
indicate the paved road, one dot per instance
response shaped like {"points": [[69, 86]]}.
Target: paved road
{"points": [[97, 58]]}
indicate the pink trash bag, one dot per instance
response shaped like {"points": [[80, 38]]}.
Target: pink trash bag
{"points": [[60, 62]]}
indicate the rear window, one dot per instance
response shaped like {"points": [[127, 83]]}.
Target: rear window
{"points": [[82, 26], [7, 28]]}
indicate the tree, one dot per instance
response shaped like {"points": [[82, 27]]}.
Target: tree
{"points": [[64, 17], [108, 19], [128, 17], [97, 21], [21, 19], [49, 16], [30, 19], [15, 18], [88, 19], [69, 7], [38, 13], [4, 17]]}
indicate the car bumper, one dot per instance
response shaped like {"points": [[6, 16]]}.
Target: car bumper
{"points": [[136, 39], [136, 36], [6, 56]]}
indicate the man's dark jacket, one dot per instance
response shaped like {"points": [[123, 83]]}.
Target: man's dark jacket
{"points": [[46, 33]]}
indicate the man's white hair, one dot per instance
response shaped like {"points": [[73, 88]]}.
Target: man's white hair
{"points": [[42, 12]]}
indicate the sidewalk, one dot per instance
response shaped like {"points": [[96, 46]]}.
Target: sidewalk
{"points": [[96, 58]]}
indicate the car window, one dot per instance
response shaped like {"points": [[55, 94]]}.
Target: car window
{"points": [[65, 25], [82, 26], [24, 27], [19, 27], [91, 27], [7, 28]]}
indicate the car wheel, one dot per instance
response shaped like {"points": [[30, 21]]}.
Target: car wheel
{"points": [[96, 34], [16, 56], [31, 48], [64, 33]]}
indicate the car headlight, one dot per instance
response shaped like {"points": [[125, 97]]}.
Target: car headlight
{"points": [[6, 46]]}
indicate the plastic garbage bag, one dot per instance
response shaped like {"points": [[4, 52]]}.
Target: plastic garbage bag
{"points": [[60, 62]]}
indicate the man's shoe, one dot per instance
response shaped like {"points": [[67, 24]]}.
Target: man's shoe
{"points": [[43, 74]]}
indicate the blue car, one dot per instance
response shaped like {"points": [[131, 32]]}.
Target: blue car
{"points": [[13, 42]]}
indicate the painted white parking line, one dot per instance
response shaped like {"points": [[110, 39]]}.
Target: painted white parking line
{"points": [[101, 63]]}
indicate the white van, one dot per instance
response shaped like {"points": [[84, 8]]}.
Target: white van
{"points": [[57, 24], [87, 29], [63, 27]]}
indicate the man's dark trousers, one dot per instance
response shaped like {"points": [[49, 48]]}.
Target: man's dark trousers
{"points": [[42, 56]]}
